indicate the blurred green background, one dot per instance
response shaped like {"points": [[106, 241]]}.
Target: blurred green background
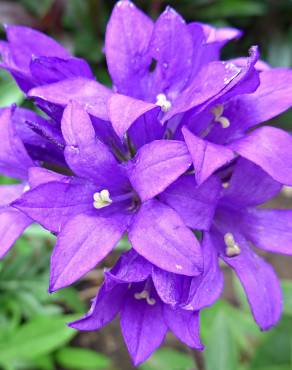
{"points": [[33, 334]]}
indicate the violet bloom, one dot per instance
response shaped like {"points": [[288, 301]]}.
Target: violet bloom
{"points": [[14, 162], [114, 197], [148, 305]]}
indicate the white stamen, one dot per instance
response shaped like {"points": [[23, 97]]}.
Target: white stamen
{"points": [[232, 248], [102, 199], [225, 185], [218, 111], [145, 295], [162, 102]]}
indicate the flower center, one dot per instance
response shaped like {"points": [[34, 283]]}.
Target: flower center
{"points": [[145, 295], [102, 199], [162, 102], [232, 248], [218, 111]]}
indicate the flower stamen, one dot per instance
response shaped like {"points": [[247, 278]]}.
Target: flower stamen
{"points": [[218, 111], [102, 199], [162, 102], [232, 248], [145, 295]]}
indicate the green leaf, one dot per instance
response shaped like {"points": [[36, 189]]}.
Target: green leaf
{"points": [[80, 358], [9, 91], [287, 296], [39, 336], [169, 359]]}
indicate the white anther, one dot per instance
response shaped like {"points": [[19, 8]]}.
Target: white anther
{"points": [[145, 295], [225, 185], [218, 111], [232, 248], [102, 199], [162, 102]]}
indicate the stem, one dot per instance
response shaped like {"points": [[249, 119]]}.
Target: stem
{"points": [[199, 359]]}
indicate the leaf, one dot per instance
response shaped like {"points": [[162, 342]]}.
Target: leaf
{"points": [[38, 337], [9, 92], [287, 296], [80, 358], [169, 359]]}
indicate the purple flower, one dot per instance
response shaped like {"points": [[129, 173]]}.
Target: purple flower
{"points": [[148, 305], [91, 210]]}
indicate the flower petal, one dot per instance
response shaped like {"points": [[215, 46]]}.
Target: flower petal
{"points": [[157, 165], [90, 239], [126, 47], [159, 235], [12, 225], [143, 327], [185, 325], [92, 95], [271, 149], [195, 204], [86, 156], [207, 157]]}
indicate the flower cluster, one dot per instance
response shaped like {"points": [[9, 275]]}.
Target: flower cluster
{"points": [[172, 155]]}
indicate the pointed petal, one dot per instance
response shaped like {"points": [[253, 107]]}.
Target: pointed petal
{"points": [[195, 204], [249, 185], [104, 308], [156, 166], [126, 45], [8, 193], [82, 243], [207, 157], [12, 225], [260, 283], [185, 325], [39, 175], [124, 111], [159, 235], [51, 204], [269, 229], [143, 327], [86, 156], [271, 149], [205, 289], [14, 160], [92, 95]]}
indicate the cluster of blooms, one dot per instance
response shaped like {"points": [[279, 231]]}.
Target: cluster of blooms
{"points": [[171, 152]]}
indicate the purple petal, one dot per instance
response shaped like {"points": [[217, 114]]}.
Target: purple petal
{"points": [[207, 157], [156, 166], [249, 185], [171, 288], [143, 327], [46, 70], [26, 43], [124, 111], [127, 38], [205, 289], [185, 325], [86, 156], [260, 283], [92, 95], [105, 307], [195, 204], [8, 193], [271, 149], [131, 267], [12, 225], [172, 47], [90, 239], [269, 229], [160, 235], [39, 175], [51, 204], [14, 160]]}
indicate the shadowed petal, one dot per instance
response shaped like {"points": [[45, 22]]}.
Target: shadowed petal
{"points": [[271, 149], [90, 239], [207, 157], [12, 225], [185, 325], [157, 165], [143, 327], [160, 235]]}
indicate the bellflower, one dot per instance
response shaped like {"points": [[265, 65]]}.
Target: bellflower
{"points": [[149, 302]]}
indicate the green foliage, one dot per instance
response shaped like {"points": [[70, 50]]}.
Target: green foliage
{"points": [[81, 358], [169, 359]]}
